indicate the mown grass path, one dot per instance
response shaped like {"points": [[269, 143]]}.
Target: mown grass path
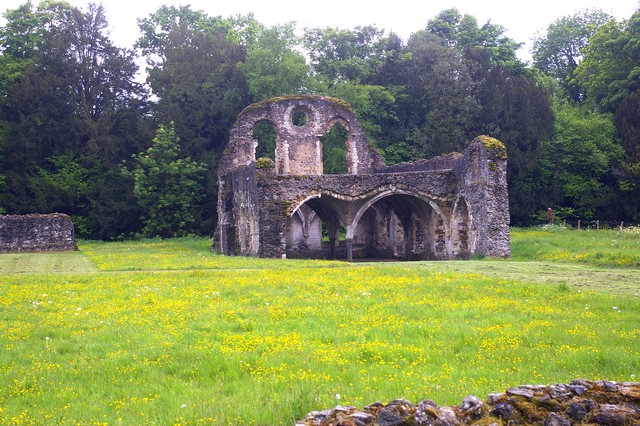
{"points": [[46, 263], [613, 280]]}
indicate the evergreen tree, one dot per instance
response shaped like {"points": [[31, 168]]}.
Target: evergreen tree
{"points": [[167, 187]]}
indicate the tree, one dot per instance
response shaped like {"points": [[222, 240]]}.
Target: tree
{"points": [[559, 52], [578, 164], [273, 67], [344, 55], [610, 73], [195, 72], [441, 91], [463, 33], [63, 104], [167, 187], [611, 66]]}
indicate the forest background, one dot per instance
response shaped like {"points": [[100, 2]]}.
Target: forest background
{"points": [[81, 134]]}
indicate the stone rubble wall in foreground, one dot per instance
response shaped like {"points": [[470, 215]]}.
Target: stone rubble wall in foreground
{"points": [[581, 402]]}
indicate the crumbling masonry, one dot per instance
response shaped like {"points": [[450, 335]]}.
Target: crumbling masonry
{"points": [[452, 206]]}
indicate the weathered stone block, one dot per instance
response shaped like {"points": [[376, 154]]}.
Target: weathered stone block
{"points": [[36, 232]]}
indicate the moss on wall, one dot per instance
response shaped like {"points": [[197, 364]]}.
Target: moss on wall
{"points": [[494, 146], [259, 105]]}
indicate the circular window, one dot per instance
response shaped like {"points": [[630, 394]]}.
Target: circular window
{"points": [[299, 118]]}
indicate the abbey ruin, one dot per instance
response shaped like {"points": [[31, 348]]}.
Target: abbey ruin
{"points": [[448, 207]]}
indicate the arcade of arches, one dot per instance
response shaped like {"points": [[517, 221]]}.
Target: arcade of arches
{"points": [[453, 206]]}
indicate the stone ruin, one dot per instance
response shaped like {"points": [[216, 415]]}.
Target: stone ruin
{"points": [[580, 402], [36, 232], [448, 207]]}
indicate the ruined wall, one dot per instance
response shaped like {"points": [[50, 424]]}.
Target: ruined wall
{"points": [[581, 402], [33, 233], [297, 145], [346, 195], [238, 201], [451, 206], [482, 178]]}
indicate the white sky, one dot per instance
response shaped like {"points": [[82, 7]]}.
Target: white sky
{"points": [[522, 19]]}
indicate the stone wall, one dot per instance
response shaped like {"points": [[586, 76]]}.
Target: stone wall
{"points": [[451, 206], [576, 403], [36, 232]]}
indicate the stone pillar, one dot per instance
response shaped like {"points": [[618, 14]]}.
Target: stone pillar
{"points": [[332, 248], [349, 249], [333, 236]]}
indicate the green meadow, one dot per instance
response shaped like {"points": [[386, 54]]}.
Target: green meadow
{"points": [[165, 332]]}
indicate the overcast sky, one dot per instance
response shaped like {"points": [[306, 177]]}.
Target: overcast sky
{"points": [[522, 19]]}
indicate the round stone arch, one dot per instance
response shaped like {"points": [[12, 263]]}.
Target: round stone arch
{"points": [[304, 226], [407, 225], [395, 191]]}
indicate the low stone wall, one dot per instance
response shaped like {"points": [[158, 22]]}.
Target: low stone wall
{"points": [[36, 232], [579, 402]]}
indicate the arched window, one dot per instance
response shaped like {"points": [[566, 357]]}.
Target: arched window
{"points": [[334, 156], [265, 133]]}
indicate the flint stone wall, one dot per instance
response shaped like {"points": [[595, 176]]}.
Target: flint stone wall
{"points": [[451, 206], [581, 402], [36, 233]]}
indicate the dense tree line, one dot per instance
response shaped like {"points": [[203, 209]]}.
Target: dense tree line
{"points": [[80, 134]]}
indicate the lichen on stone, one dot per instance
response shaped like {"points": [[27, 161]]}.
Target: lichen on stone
{"points": [[494, 146], [265, 163]]}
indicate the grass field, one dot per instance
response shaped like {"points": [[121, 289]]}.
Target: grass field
{"points": [[165, 332]]}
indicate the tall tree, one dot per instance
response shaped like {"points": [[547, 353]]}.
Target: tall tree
{"points": [[344, 55], [611, 67], [167, 187], [273, 67], [559, 52], [195, 72], [511, 102], [578, 164], [610, 73], [463, 33], [441, 90], [62, 103]]}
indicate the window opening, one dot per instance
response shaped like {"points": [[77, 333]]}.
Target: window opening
{"points": [[264, 132], [334, 151], [299, 118]]}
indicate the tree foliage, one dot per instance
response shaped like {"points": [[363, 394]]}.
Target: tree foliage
{"points": [[611, 67], [273, 67], [72, 109], [578, 162], [167, 187], [559, 52], [66, 92]]}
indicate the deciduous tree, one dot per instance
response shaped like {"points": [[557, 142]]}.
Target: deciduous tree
{"points": [[559, 52]]}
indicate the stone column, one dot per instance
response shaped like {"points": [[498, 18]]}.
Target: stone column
{"points": [[333, 236], [349, 249]]}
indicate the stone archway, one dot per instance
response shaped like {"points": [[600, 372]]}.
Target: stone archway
{"points": [[313, 229], [400, 225]]}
